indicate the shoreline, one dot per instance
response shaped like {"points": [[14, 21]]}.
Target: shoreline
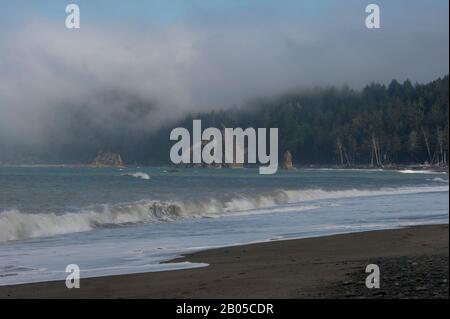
{"points": [[322, 267], [392, 167]]}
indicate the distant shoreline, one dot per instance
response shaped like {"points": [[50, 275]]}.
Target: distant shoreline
{"points": [[413, 263], [413, 167]]}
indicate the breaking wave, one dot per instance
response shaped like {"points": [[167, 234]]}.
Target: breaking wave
{"points": [[408, 171], [15, 225], [439, 180], [139, 175]]}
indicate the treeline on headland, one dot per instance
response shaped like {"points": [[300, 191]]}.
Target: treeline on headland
{"points": [[401, 123], [378, 126]]}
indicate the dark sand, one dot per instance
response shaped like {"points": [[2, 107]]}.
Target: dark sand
{"points": [[413, 263]]}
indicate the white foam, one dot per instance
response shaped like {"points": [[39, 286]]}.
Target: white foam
{"points": [[345, 169], [15, 225], [439, 180], [408, 171], [319, 194], [139, 175]]}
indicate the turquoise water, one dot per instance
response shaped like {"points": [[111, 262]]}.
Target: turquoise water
{"points": [[116, 221]]}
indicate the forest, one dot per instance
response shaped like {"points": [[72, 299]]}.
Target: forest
{"points": [[377, 126]]}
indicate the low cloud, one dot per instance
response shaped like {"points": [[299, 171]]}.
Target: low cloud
{"points": [[63, 86]]}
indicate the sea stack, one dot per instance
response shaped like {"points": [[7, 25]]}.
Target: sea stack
{"points": [[108, 159], [287, 161]]}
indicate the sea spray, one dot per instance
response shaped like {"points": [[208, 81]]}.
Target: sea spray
{"points": [[138, 175], [15, 225]]}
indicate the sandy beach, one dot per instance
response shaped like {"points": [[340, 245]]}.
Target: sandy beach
{"points": [[413, 264]]}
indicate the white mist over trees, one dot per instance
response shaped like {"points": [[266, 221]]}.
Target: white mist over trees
{"points": [[65, 95]]}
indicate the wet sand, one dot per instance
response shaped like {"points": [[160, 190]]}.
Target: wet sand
{"points": [[413, 264]]}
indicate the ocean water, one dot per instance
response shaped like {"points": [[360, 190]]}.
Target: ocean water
{"points": [[118, 221]]}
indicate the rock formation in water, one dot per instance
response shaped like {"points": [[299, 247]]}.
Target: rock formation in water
{"points": [[219, 165], [287, 161], [108, 159]]}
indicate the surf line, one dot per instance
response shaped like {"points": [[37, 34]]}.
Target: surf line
{"points": [[207, 147]]}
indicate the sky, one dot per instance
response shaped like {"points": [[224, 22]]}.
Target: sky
{"points": [[182, 55], [150, 11]]}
